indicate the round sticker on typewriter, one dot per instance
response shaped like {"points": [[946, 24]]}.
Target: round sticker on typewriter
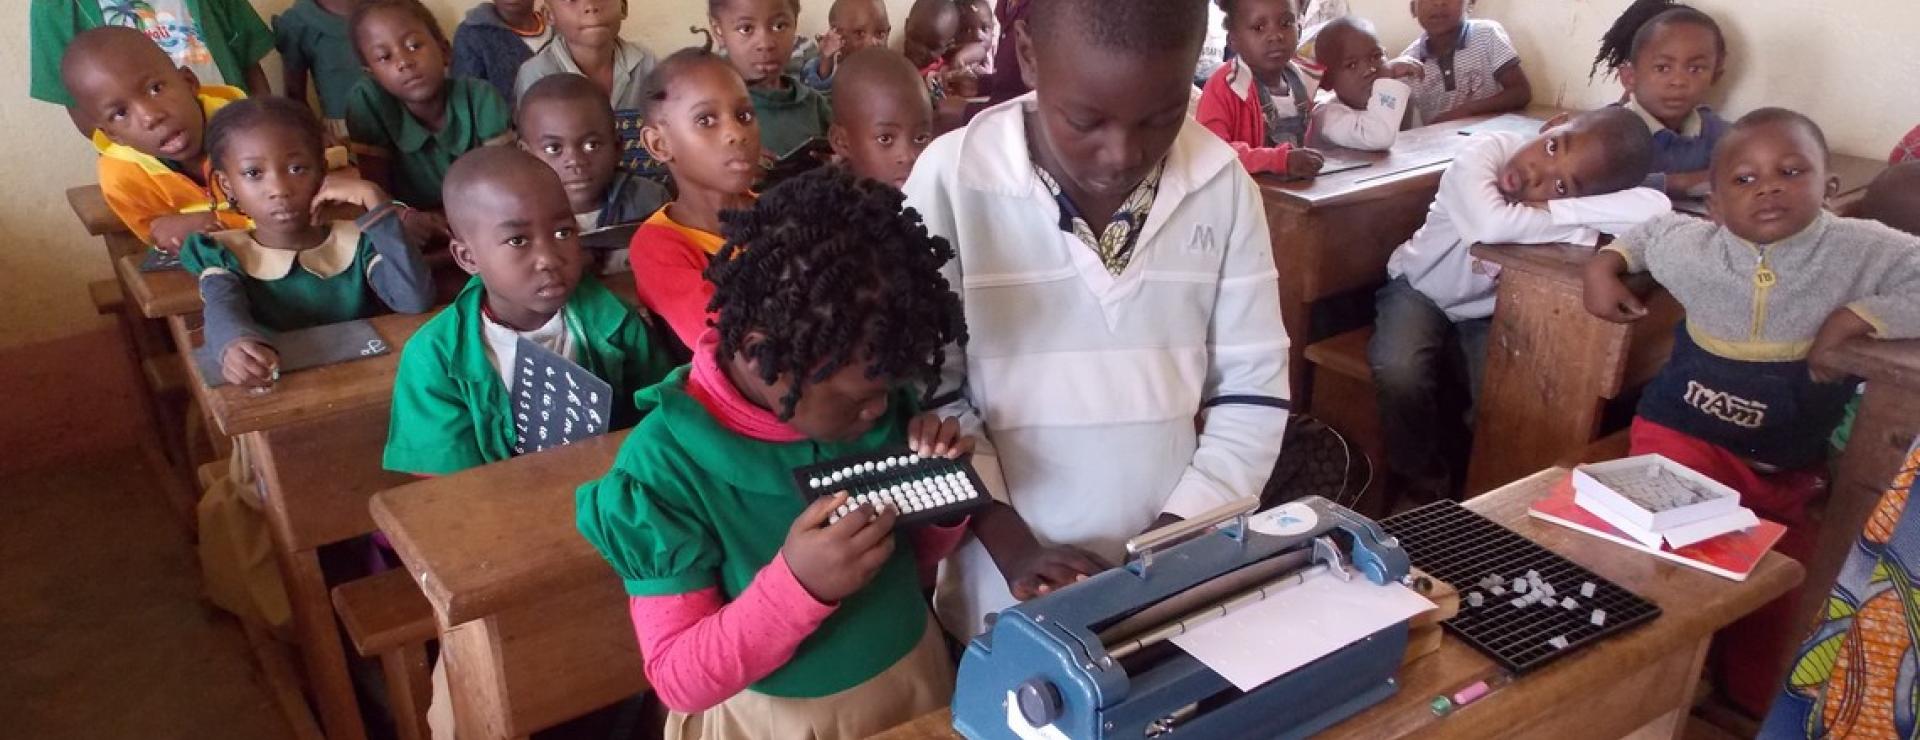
{"points": [[1285, 520]]}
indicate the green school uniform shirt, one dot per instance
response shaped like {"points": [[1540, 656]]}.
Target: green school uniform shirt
{"points": [[475, 115], [689, 505], [289, 290], [231, 31], [788, 118], [309, 35], [451, 411]]}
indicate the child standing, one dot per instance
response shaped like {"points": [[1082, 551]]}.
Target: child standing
{"points": [[701, 125], [564, 120], [313, 42], [496, 38], [1570, 184], [1115, 270], [514, 231], [1669, 56], [408, 119], [757, 36], [852, 25], [221, 42], [1463, 67], [152, 120], [289, 272], [1769, 287], [1260, 102], [1363, 108], [882, 120], [756, 617]]}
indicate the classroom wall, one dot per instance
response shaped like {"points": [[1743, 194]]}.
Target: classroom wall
{"points": [[1848, 64], [50, 340]]}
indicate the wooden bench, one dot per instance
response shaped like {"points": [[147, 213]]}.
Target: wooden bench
{"points": [[387, 618], [1344, 398]]}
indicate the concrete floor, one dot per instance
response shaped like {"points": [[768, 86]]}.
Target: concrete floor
{"points": [[102, 631]]}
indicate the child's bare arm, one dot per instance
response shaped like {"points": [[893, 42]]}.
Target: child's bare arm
{"points": [[257, 85], [293, 79], [1516, 91], [1605, 294], [1843, 325], [1030, 568], [169, 232]]}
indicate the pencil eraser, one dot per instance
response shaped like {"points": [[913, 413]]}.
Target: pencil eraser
{"points": [[1470, 693]]}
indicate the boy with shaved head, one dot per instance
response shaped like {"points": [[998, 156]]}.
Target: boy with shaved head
{"points": [[882, 118], [514, 230]]}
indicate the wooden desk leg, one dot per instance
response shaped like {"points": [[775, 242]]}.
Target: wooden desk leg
{"points": [[474, 681], [1673, 725], [183, 341], [1549, 365], [409, 709], [320, 648]]}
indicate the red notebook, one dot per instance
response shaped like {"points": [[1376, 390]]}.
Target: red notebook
{"points": [[1733, 555]]}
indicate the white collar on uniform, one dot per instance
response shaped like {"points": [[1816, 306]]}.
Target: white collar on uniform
{"points": [[1689, 128], [261, 262], [994, 155]]}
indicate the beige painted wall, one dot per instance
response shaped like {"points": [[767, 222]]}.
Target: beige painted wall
{"points": [[1849, 64], [46, 259]]}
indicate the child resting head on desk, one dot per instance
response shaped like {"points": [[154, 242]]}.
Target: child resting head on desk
{"points": [[1669, 56], [882, 119], [1745, 398], [515, 231], [1569, 184], [151, 123], [701, 124], [1362, 107], [565, 120], [292, 270], [1261, 102], [755, 615]]}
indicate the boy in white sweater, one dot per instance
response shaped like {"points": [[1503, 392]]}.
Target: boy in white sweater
{"points": [[1360, 106], [1118, 281], [1570, 184]]}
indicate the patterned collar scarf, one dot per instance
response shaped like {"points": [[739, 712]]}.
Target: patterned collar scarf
{"points": [[1114, 245]]}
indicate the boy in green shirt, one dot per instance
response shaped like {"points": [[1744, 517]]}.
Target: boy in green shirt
{"points": [[513, 228], [220, 41]]}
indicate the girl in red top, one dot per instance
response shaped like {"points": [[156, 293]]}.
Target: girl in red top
{"points": [[1260, 102], [700, 124]]}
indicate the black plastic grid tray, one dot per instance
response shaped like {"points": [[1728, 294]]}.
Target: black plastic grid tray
{"points": [[1462, 548]]}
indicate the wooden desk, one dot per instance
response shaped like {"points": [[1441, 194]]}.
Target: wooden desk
{"points": [[1855, 174], [1551, 366], [1333, 234], [91, 207], [314, 444], [1641, 681], [533, 623], [158, 294]]}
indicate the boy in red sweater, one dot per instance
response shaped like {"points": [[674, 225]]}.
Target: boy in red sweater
{"points": [[1259, 103], [700, 124]]}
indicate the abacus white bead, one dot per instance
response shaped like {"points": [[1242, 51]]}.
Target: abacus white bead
{"points": [[1475, 599], [1586, 589]]}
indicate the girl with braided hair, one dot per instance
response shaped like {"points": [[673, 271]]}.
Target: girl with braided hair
{"points": [[755, 616], [1669, 56]]}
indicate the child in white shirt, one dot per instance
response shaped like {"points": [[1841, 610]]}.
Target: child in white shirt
{"points": [[1360, 107], [1091, 354], [1570, 184]]}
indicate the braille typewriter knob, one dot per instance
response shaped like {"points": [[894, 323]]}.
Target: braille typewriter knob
{"points": [[1039, 701]]}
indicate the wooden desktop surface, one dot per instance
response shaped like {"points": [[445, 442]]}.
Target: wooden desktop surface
{"points": [[1609, 690]]}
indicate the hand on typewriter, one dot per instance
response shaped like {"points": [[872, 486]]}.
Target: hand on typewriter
{"points": [[1051, 568], [834, 561], [928, 435]]}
